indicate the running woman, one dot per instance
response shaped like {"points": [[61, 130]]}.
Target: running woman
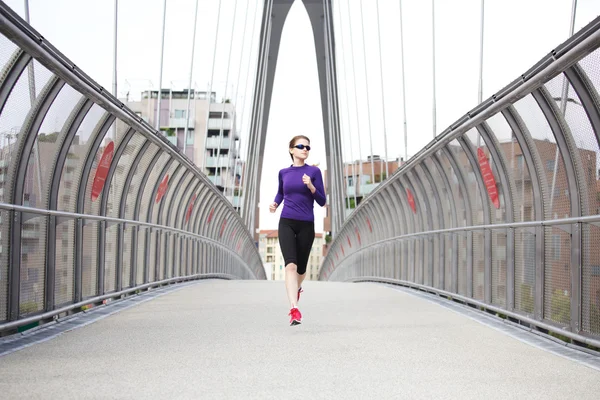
{"points": [[300, 186]]}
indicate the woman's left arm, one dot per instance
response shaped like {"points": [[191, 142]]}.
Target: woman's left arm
{"points": [[319, 193]]}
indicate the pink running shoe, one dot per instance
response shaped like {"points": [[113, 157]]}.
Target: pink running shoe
{"points": [[299, 291], [295, 317]]}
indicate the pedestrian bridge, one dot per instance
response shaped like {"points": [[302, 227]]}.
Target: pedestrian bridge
{"points": [[472, 271], [231, 339]]}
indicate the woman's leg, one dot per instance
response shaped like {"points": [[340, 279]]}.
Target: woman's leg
{"points": [[304, 241], [287, 242], [291, 284]]}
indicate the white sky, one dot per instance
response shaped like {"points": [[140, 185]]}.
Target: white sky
{"points": [[517, 34]]}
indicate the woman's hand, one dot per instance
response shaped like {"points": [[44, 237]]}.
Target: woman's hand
{"points": [[273, 207], [306, 180]]}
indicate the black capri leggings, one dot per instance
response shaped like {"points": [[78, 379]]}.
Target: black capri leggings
{"points": [[296, 239]]}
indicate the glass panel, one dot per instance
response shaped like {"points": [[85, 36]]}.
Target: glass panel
{"points": [[591, 65], [498, 215], [458, 208], [12, 120], [169, 204], [554, 178], [517, 169], [191, 191], [43, 153], [470, 180], [72, 169], [7, 51], [149, 187], [120, 175], [136, 180], [92, 206]]}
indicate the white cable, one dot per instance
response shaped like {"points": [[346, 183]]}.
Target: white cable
{"points": [[224, 99], [362, 25], [209, 94], [353, 169], [387, 170]]}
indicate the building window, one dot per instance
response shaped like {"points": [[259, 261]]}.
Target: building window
{"points": [[550, 165], [179, 114]]}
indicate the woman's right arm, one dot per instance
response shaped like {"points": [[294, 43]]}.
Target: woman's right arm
{"points": [[279, 197]]}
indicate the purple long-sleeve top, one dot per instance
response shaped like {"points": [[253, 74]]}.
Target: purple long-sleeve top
{"points": [[298, 200]]}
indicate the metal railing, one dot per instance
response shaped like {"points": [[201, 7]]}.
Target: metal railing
{"points": [[94, 202], [501, 210]]}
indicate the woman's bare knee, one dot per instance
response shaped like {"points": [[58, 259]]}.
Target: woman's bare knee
{"points": [[291, 267]]}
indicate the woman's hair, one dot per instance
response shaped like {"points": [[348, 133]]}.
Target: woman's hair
{"points": [[293, 143]]}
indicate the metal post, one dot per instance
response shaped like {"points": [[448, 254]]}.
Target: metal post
{"points": [[209, 94], [115, 50], [387, 171], [403, 85], [32, 96], [480, 93], [187, 110], [367, 92], [162, 52], [563, 104], [433, 63], [480, 90]]}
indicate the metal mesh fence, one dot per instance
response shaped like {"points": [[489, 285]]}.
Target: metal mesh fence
{"points": [[590, 293], [499, 255], [462, 263], [110, 258], [4, 264], [525, 258], [89, 262], [557, 276], [126, 257], [64, 263], [33, 273]]}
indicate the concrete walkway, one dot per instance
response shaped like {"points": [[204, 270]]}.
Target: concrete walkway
{"points": [[231, 340]]}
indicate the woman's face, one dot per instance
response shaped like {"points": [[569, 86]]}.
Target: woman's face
{"points": [[298, 153]]}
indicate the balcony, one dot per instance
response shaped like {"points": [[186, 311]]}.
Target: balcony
{"points": [[363, 189], [216, 179], [215, 123], [213, 143], [218, 162], [236, 201], [180, 122], [172, 139]]}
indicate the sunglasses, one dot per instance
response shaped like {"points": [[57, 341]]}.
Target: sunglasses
{"points": [[302, 147]]}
